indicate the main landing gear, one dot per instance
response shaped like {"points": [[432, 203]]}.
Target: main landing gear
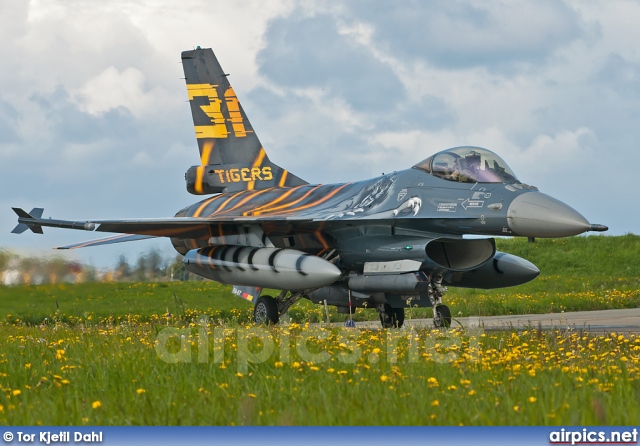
{"points": [[267, 310], [390, 317], [394, 317]]}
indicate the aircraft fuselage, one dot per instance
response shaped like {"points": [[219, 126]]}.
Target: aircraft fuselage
{"points": [[399, 202]]}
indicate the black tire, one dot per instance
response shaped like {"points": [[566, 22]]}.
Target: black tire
{"points": [[265, 311], [392, 317], [442, 316], [398, 315]]}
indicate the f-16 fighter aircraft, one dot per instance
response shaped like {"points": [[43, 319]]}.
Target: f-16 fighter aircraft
{"points": [[386, 243]]}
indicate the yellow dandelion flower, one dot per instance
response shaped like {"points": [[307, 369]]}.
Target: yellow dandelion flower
{"points": [[60, 354], [27, 366], [383, 378], [251, 395], [96, 404], [331, 370], [472, 392], [239, 375], [516, 408], [278, 364], [532, 399], [435, 403], [16, 392], [295, 365], [140, 391], [65, 381], [1, 408]]}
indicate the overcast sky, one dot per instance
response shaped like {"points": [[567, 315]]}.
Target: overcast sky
{"points": [[95, 123]]}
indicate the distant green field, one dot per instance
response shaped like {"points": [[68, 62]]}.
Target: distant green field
{"points": [[579, 273], [184, 353]]}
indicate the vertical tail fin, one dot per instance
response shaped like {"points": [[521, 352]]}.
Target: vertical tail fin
{"points": [[232, 157]]}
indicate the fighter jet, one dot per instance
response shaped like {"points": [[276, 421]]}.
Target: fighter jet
{"points": [[387, 243]]}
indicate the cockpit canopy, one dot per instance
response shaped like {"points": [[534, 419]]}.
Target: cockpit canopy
{"points": [[468, 165]]}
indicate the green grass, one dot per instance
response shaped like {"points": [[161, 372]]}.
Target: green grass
{"points": [[117, 302], [115, 376]]}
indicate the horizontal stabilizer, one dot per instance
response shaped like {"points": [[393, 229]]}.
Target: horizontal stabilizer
{"points": [[107, 241], [35, 222], [35, 213]]}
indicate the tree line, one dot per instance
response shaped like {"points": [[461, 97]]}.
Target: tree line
{"points": [[149, 266]]}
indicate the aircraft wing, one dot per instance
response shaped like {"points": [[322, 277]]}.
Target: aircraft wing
{"points": [[206, 227]]}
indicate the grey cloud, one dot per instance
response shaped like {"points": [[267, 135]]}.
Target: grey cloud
{"points": [[13, 16], [310, 52], [9, 118], [456, 34], [605, 101], [299, 116], [313, 144], [266, 101], [337, 158], [620, 75], [71, 124], [428, 113]]}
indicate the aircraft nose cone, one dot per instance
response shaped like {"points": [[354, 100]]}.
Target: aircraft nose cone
{"points": [[534, 214]]}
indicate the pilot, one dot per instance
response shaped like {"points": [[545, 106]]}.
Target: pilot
{"points": [[466, 169]]}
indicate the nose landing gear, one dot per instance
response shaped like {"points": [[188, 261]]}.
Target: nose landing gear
{"points": [[441, 316], [441, 313]]}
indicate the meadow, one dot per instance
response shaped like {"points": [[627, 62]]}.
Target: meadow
{"points": [[185, 353]]}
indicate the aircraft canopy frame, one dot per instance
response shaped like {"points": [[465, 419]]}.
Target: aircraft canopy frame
{"points": [[468, 165]]}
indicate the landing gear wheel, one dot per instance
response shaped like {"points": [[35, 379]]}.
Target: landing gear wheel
{"points": [[398, 315], [441, 316], [265, 311], [392, 317]]}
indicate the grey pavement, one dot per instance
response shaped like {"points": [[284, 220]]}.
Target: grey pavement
{"points": [[602, 321]]}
